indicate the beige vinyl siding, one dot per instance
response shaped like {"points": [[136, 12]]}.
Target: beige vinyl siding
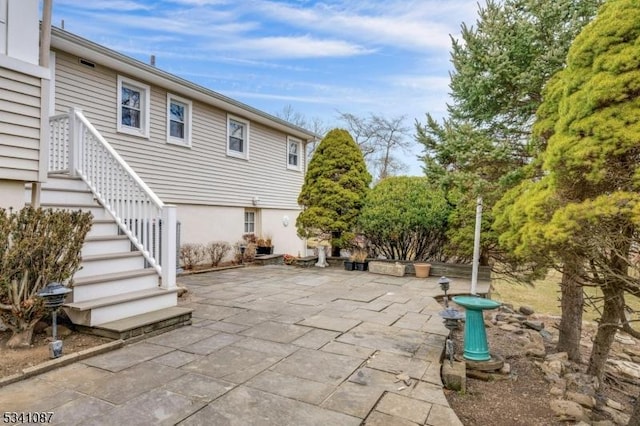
{"points": [[201, 174], [20, 100]]}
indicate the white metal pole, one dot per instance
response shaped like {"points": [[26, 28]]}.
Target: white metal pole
{"points": [[476, 247]]}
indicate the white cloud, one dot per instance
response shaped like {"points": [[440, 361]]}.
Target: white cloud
{"points": [[294, 47], [117, 5], [404, 25]]}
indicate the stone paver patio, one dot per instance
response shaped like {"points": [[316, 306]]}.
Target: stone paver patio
{"points": [[270, 345]]}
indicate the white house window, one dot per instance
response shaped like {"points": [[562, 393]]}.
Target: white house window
{"points": [[178, 120], [293, 153], [249, 222], [133, 107], [237, 137]]}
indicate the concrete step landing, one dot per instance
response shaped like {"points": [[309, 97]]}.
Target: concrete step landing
{"points": [[146, 324]]}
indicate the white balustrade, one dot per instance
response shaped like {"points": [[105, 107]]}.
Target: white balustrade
{"points": [[79, 149]]}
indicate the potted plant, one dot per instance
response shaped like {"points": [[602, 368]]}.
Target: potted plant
{"points": [[360, 260], [349, 264], [264, 246], [422, 269]]}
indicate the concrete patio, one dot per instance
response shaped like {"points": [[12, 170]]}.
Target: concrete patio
{"points": [[271, 345]]}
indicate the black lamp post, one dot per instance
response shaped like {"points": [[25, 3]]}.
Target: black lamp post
{"points": [[53, 295], [444, 285], [451, 317], [243, 248]]}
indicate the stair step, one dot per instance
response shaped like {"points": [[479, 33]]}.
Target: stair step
{"points": [[104, 285], [100, 264], [96, 209], [105, 244], [103, 227], [112, 308], [68, 196], [147, 323]]}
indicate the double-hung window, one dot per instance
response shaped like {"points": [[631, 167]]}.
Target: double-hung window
{"points": [[237, 137], [133, 107], [249, 222], [293, 153], [178, 120]]}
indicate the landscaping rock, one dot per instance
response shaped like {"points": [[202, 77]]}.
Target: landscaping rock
{"points": [[454, 376], [582, 399], [387, 268], [625, 339], [553, 367], [556, 391], [603, 423], [546, 335], [536, 346], [62, 331], [625, 368], [534, 325], [526, 310], [182, 291], [508, 327], [534, 351], [562, 356], [507, 307], [568, 410], [614, 404], [618, 417], [582, 383]]}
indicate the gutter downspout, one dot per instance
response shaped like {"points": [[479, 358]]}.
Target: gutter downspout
{"points": [[45, 47]]}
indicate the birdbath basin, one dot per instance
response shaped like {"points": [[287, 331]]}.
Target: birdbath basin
{"points": [[476, 347]]}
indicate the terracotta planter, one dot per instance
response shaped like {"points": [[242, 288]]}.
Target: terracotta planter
{"points": [[422, 269]]}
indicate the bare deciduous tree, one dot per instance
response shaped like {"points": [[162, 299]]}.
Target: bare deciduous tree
{"points": [[380, 140]]}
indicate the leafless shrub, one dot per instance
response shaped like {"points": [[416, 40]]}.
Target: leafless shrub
{"points": [[191, 255], [217, 250]]}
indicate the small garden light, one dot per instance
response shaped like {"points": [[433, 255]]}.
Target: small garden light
{"points": [[53, 295], [444, 285], [451, 317]]}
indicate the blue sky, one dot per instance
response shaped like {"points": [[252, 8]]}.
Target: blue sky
{"points": [[384, 57]]}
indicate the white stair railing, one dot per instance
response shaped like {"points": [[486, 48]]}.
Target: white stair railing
{"points": [[77, 148]]}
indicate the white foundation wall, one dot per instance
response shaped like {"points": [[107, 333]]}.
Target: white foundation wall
{"points": [[12, 194], [203, 224], [284, 237]]}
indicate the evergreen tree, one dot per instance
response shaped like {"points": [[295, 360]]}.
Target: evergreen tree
{"points": [[500, 68], [585, 206], [334, 188]]}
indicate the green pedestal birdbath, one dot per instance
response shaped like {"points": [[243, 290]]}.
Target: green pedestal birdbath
{"points": [[476, 347]]}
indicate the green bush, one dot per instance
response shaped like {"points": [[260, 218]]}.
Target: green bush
{"points": [[405, 218]]}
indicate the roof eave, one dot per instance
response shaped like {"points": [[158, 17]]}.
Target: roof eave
{"points": [[86, 49]]}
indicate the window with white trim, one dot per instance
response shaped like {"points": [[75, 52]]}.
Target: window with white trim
{"points": [[249, 221], [178, 120], [133, 107], [237, 137], [294, 148]]}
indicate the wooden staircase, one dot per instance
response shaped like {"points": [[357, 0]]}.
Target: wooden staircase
{"points": [[115, 293]]}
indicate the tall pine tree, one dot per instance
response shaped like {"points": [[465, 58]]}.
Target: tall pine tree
{"points": [[334, 188]]}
